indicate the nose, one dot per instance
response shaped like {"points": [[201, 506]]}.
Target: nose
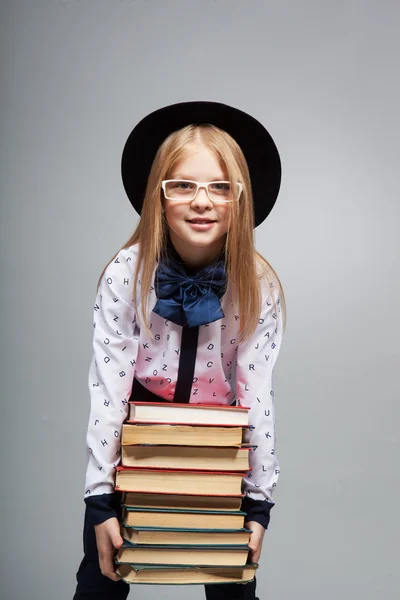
{"points": [[202, 197]]}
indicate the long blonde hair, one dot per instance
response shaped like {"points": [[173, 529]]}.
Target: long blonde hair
{"points": [[241, 257]]}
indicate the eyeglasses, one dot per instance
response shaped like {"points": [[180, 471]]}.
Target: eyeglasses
{"points": [[186, 190]]}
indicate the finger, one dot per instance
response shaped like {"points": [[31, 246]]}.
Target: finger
{"points": [[255, 553], [117, 541], [107, 565]]}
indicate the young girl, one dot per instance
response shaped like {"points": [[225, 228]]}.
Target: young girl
{"points": [[186, 311]]}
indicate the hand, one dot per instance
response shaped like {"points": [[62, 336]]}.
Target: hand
{"points": [[255, 542], [256, 539], [108, 538]]}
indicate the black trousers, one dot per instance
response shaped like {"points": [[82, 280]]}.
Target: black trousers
{"points": [[93, 585]]}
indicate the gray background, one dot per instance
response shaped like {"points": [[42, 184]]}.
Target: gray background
{"points": [[323, 77]]}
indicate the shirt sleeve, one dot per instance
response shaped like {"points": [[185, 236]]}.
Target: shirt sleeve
{"points": [[110, 380], [256, 359]]}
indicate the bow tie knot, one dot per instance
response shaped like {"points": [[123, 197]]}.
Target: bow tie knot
{"points": [[189, 300], [190, 288]]}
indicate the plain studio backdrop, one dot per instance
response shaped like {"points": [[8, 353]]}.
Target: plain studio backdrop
{"points": [[76, 76]]}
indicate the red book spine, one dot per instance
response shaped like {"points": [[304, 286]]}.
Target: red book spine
{"points": [[121, 468], [196, 404], [133, 421]]}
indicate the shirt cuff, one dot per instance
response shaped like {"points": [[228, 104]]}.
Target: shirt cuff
{"points": [[257, 510], [102, 507]]}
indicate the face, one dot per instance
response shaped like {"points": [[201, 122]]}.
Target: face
{"points": [[197, 245]]}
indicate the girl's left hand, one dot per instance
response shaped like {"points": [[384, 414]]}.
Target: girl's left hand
{"points": [[256, 540]]}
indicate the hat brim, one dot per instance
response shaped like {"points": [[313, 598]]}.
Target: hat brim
{"points": [[254, 140]]}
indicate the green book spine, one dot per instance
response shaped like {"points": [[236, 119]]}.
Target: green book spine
{"points": [[216, 547], [182, 510], [185, 529]]}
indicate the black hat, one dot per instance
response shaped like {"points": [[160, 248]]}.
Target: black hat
{"points": [[254, 140]]}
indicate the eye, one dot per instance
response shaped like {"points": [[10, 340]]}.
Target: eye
{"points": [[184, 185], [221, 187], [179, 184]]}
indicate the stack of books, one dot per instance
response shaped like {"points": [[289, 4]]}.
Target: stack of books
{"points": [[181, 473]]}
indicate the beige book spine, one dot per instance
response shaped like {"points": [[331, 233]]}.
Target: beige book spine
{"points": [[185, 537], [143, 480], [193, 502], [182, 519], [182, 556], [176, 457], [195, 575], [184, 435]]}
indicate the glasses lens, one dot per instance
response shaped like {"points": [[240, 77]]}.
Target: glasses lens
{"points": [[222, 191], [180, 190]]}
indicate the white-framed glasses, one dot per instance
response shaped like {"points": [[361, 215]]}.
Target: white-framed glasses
{"points": [[186, 190]]}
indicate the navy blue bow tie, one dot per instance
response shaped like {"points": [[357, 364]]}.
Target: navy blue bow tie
{"points": [[189, 300]]}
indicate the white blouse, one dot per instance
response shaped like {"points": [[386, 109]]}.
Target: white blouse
{"points": [[226, 372]]}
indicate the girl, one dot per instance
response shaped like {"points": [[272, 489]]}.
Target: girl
{"points": [[186, 311]]}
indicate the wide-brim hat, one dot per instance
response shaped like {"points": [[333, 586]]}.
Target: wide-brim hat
{"points": [[254, 140]]}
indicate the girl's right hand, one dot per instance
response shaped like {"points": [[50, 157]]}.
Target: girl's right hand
{"points": [[108, 538]]}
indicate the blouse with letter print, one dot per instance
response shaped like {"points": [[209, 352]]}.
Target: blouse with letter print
{"points": [[226, 372]]}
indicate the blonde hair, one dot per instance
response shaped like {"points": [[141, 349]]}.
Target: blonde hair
{"points": [[241, 257]]}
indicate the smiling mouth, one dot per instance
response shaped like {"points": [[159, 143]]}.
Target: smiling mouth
{"points": [[201, 221]]}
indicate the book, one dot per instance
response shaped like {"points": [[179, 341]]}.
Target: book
{"points": [[133, 479], [181, 535], [193, 502], [164, 517], [186, 575], [186, 457], [185, 435], [175, 413], [183, 555]]}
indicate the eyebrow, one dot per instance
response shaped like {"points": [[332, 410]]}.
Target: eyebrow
{"points": [[183, 176]]}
